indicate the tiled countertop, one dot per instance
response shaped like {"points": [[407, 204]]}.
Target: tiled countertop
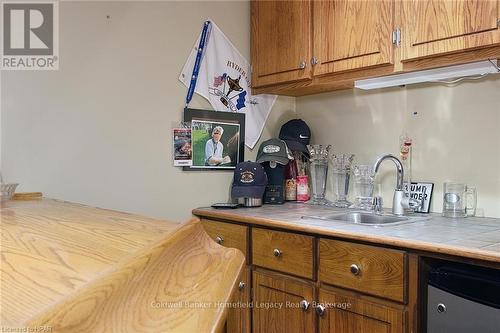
{"points": [[472, 237]]}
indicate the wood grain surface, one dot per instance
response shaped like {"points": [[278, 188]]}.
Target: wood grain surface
{"points": [[27, 196], [231, 235], [73, 268], [284, 294], [239, 318], [296, 252], [382, 271], [351, 35], [347, 313], [281, 40], [436, 27]]}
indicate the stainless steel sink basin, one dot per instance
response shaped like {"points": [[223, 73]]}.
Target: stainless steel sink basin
{"points": [[366, 218]]}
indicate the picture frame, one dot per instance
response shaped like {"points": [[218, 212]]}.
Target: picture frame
{"points": [[421, 191], [222, 151]]}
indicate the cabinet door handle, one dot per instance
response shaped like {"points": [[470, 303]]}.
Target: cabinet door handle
{"points": [[302, 64], [277, 253], [320, 310], [304, 305], [314, 61], [355, 269], [241, 285], [219, 240]]}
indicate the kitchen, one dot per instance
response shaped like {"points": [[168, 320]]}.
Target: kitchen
{"points": [[98, 130]]}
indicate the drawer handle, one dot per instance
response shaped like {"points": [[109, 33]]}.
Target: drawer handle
{"points": [[219, 240], [277, 253], [304, 305], [320, 310], [355, 269], [241, 285]]}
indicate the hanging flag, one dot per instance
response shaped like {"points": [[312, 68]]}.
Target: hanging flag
{"points": [[224, 80]]}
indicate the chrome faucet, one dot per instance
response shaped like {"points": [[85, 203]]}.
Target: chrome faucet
{"points": [[399, 202]]}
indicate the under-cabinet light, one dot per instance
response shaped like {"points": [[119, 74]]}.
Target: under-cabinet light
{"points": [[441, 75]]}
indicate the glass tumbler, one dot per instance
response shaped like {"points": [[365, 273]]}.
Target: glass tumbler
{"points": [[364, 178], [318, 161], [459, 200], [319, 171], [341, 174]]}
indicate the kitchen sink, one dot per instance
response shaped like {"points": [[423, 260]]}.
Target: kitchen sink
{"points": [[366, 218]]}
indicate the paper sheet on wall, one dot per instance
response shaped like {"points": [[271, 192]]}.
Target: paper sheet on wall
{"points": [[224, 80]]}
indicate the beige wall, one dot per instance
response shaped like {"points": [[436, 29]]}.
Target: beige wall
{"points": [[98, 130], [456, 133]]}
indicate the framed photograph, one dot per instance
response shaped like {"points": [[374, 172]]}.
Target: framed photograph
{"points": [[182, 146], [422, 192], [217, 139]]}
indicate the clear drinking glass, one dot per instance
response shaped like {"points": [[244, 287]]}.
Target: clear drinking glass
{"points": [[341, 174], [319, 158], [364, 178], [459, 200]]}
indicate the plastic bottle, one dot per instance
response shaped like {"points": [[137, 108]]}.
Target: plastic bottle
{"points": [[291, 181]]}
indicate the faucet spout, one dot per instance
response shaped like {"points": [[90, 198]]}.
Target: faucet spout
{"points": [[399, 202], [399, 168]]}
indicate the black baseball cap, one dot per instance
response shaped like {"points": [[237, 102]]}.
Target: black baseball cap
{"points": [[249, 180], [296, 134], [273, 150]]}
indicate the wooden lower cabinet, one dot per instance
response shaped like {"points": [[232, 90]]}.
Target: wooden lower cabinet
{"points": [[348, 313], [282, 304], [377, 297], [238, 318]]}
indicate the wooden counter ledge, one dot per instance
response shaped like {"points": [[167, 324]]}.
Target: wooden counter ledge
{"points": [[73, 268]]}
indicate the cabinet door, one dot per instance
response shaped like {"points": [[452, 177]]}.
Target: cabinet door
{"points": [[238, 319], [281, 41], [346, 313], [279, 304], [352, 34], [435, 27]]}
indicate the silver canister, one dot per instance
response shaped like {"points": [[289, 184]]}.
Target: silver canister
{"points": [[250, 202]]}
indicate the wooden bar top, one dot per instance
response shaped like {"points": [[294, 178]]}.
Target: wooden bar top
{"points": [[72, 268]]}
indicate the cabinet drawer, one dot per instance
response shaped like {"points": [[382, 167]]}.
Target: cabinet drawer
{"points": [[227, 234], [370, 269], [283, 251]]}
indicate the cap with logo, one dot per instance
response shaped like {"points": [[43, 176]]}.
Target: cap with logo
{"points": [[273, 150], [249, 180], [296, 134]]}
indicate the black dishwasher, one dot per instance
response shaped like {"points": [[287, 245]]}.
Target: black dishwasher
{"points": [[463, 298]]}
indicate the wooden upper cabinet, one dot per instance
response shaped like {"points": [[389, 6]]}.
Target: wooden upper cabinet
{"points": [[352, 34], [281, 41], [436, 27]]}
